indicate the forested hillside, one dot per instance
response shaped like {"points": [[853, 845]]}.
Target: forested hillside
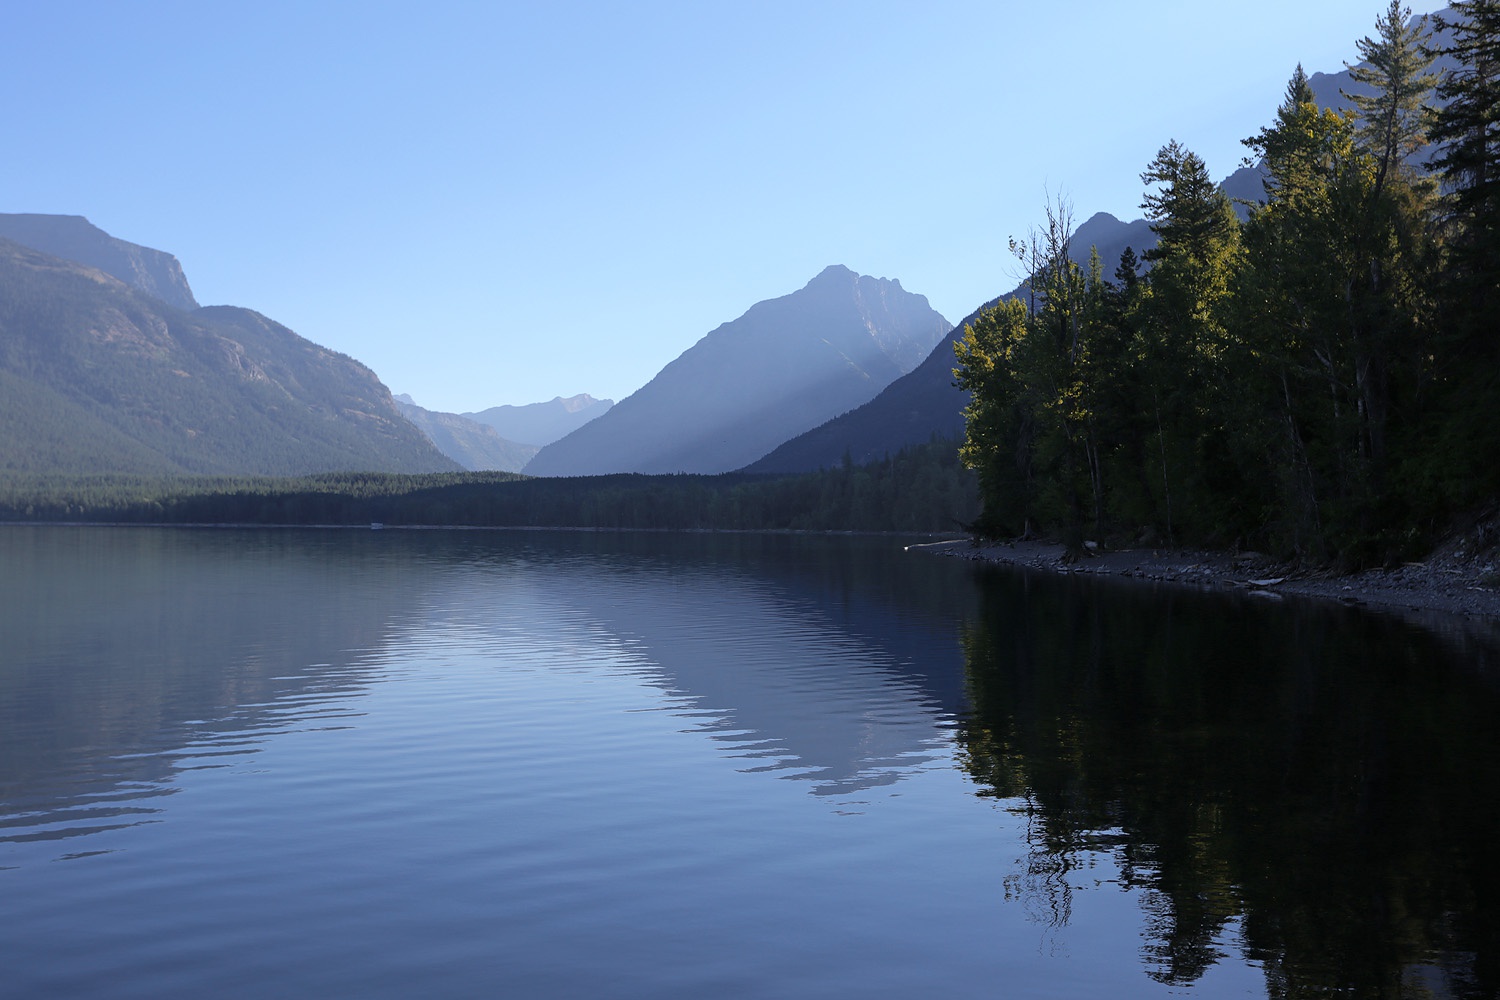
{"points": [[1319, 379], [920, 489], [98, 377]]}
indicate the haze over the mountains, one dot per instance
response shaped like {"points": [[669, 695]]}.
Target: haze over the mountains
{"points": [[475, 446], [925, 402], [101, 374], [539, 424], [786, 365], [109, 364], [502, 438]]}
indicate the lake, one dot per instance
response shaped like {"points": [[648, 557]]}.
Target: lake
{"points": [[344, 763]]}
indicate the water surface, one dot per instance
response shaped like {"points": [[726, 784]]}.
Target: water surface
{"points": [[534, 764]]}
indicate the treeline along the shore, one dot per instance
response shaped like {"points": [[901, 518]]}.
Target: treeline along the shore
{"points": [[920, 489], [1320, 379]]}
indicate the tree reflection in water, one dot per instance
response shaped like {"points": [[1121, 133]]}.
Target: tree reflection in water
{"points": [[1319, 780]]}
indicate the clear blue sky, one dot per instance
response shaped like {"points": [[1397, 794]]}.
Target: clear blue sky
{"points": [[501, 202]]}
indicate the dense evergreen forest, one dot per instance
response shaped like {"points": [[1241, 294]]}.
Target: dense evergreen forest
{"points": [[1318, 380], [920, 489]]}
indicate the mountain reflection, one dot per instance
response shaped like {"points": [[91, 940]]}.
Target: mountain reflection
{"points": [[1319, 781], [808, 659], [133, 655], [1306, 788]]}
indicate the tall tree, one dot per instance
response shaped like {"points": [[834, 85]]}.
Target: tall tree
{"points": [[1396, 69], [1468, 124], [999, 427], [1182, 343], [1335, 302], [1467, 128]]}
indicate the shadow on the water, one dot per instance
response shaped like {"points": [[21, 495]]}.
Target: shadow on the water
{"points": [[1320, 779]]}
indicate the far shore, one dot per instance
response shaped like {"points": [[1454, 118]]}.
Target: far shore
{"points": [[1453, 582]]}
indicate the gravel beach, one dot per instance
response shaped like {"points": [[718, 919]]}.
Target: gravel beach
{"points": [[1458, 580]]}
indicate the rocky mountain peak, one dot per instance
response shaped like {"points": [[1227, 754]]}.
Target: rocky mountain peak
{"points": [[72, 237]]}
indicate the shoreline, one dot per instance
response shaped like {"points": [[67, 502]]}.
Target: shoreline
{"points": [[1457, 582]]}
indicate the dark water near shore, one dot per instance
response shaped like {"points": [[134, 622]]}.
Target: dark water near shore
{"points": [[391, 764]]}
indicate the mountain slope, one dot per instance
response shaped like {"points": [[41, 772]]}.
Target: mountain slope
{"points": [[100, 377], [786, 365], [924, 402], [72, 237], [540, 424], [473, 445]]}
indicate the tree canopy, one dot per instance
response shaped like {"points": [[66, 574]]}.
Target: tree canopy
{"points": [[1317, 380]]}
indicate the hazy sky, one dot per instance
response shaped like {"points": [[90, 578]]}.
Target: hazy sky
{"points": [[501, 202]]}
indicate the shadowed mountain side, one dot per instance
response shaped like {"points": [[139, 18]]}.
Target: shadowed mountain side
{"points": [[220, 390], [475, 446], [925, 402], [784, 366], [539, 424], [72, 237]]}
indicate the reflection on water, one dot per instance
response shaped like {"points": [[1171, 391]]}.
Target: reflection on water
{"points": [[1324, 778], [131, 656], [541, 763]]}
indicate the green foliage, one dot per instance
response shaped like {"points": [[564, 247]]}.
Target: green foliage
{"points": [[1466, 125], [1319, 381], [1467, 367], [998, 442], [920, 489], [1392, 119], [97, 377]]}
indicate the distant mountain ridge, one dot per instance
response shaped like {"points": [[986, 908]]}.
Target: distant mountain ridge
{"points": [[925, 403], [98, 375], [539, 424], [784, 366], [72, 237], [473, 445]]}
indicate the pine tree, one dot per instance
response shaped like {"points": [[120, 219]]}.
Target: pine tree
{"points": [[1392, 118], [1468, 125], [1182, 333], [1468, 131]]}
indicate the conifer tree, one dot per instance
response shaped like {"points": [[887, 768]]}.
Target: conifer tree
{"points": [[999, 427], [1396, 68], [1467, 128], [1468, 125], [1182, 341]]}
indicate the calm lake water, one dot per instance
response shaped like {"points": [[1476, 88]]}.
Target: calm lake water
{"points": [[304, 763]]}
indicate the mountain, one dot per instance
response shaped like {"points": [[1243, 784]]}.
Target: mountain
{"points": [[925, 402], [786, 365], [542, 423], [1246, 184], [473, 445], [72, 237], [98, 376]]}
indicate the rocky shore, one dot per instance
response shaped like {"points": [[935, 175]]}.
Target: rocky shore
{"points": [[1458, 580]]}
